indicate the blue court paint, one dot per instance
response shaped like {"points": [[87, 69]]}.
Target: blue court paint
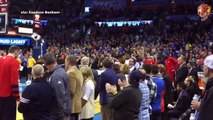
{"points": [[97, 117]]}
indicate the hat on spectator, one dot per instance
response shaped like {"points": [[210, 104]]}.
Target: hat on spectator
{"points": [[209, 61], [135, 76]]}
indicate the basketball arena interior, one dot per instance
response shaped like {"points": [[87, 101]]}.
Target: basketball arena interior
{"points": [[106, 60]]}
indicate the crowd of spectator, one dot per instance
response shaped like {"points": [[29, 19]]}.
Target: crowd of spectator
{"points": [[120, 78], [139, 71], [190, 38]]}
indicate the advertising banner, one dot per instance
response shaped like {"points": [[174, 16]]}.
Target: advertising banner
{"points": [[14, 41], [122, 23], [115, 4]]}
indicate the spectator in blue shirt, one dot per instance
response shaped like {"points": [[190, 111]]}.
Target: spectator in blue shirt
{"points": [[37, 98], [108, 76], [24, 64], [156, 108]]}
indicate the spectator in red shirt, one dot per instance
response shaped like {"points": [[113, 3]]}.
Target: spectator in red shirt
{"points": [[1, 59], [171, 65], [9, 90], [150, 60]]}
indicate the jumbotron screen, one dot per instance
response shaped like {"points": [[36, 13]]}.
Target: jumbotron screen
{"points": [[3, 22], [3, 15]]}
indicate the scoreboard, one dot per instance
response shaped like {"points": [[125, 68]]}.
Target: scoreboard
{"points": [[3, 1], [36, 21], [3, 15], [3, 6], [3, 22], [3, 9]]}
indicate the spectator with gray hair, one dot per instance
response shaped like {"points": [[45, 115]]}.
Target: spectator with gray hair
{"points": [[84, 61], [206, 106], [37, 98]]}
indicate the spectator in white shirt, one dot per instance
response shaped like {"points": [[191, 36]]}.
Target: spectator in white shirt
{"points": [[88, 94], [132, 62]]}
